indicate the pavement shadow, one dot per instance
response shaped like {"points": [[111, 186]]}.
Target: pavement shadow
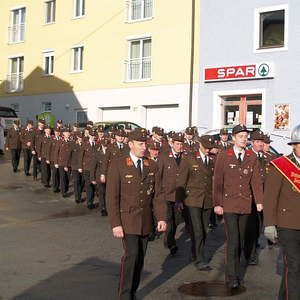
{"points": [[92, 279]]}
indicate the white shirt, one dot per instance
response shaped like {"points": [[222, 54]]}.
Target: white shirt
{"points": [[203, 157], [135, 160], [258, 154], [236, 152], [174, 153], [120, 144], [297, 158]]}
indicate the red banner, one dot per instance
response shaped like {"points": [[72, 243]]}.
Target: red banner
{"points": [[289, 170]]}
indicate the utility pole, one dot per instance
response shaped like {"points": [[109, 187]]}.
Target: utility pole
{"points": [[192, 63]]}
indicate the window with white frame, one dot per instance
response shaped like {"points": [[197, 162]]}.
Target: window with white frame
{"points": [[48, 57], [77, 59], [139, 63], [271, 28], [140, 10], [46, 106], [16, 30], [81, 117], [15, 78], [15, 107], [50, 7], [79, 8]]}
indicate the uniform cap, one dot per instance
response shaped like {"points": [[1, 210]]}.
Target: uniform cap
{"points": [[179, 137], [190, 131], [42, 121], [59, 121], [239, 128], [257, 135], [92, 132], [90, 123], [139, 135], [47, 127], [66, 128], [57, 129], [171, 133], [207, 141], [100, 128], [16, 122], [295, 136], [267, 139], [158, 130], [120, 132], [105, 142], [154, 146], [224, 131], [30, 122], [75, 125]]}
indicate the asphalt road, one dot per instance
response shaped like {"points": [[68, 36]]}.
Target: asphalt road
{"points": [[53, 249]]}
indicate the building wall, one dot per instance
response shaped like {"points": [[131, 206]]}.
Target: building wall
{"points": [[227, 39]]}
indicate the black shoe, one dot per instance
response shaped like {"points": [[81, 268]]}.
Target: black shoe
{"points": [[234, 284], [47, 185], [15, 170], [173, 250], [65, 195], [27, 174], [77, 201], [253, 261], [103, 213], [1, 152], [91, 206], [56, 191], [203, 267], [151, 237]]}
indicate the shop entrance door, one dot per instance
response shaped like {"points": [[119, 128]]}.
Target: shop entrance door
{"points": [[244, 109]]}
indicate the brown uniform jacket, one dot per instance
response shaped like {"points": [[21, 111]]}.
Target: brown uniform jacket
{"points": [[281, 200], [224, 148], [190, 148], [27, 135], [101, 156], [54, 142], [62, 155], [38, 135], [46, 147], [195, 181], [168, 174], [13, 139], [88, 158], [235, 184], [76, 156], [131, 200]]}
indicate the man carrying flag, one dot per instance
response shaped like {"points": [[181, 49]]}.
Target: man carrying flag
{"points": [[282, 214]]}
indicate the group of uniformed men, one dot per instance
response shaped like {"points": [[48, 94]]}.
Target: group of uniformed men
{"points": [[148, 183]]}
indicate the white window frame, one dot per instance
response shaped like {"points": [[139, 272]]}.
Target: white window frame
{"points": [[257, 13], [73, 70], [19, 28], [19, 76], [80, 9], [48, 54], [131, 39], [53, 12], [143, 18], [44, 106]]}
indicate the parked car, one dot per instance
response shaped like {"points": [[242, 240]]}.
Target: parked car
{"points": [[9, 116], [110, 125], [215, 134]]}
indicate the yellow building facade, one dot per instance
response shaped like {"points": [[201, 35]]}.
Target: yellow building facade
{"points": [[99, 60]]}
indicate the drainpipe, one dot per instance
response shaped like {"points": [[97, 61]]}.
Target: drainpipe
{"points": [[192, 63]]}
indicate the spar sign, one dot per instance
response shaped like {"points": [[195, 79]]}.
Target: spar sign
{"points": [[242, 72]]}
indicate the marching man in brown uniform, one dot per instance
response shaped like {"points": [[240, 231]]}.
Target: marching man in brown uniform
{"points": [[132, 184], [282, 210], [45, 157], [195, 184], [223, 142], [168, 168], [27, 139], [236, 176], [13, 143], [190, 145]]}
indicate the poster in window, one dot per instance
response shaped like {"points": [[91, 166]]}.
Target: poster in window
{"points": [[282, 116]]}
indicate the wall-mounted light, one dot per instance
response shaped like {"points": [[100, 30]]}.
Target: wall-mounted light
{"points": [[67, 106]]}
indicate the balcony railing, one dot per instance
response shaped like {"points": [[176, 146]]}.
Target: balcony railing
{"points": [[15, 83], [138, 69], [16, 33]]}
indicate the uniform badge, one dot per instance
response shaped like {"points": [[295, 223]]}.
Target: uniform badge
{"points": [[128, 176], [245, 171], [232, 166], [146, 162], [129, 162], [195, 166], [150, 190], [170, 154]]}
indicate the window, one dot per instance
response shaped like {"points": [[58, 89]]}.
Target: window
{"points": [[81, 117], [139, 62], [15, 107], [77, 59], [48, 63], [271, 28], [16, 30], [140, 10], [50, 11], [46, 106], [15, 78], [79, 8]]}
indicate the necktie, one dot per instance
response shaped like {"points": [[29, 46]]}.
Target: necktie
{"points": [[206, 160], [139, 167], [120, 146], [240, 157], [177, 158]]}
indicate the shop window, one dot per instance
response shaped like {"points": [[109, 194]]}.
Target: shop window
{"points": [[46, 106]]}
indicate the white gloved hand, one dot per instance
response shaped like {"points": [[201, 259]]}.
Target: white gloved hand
{"points": [[271, 233]]}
